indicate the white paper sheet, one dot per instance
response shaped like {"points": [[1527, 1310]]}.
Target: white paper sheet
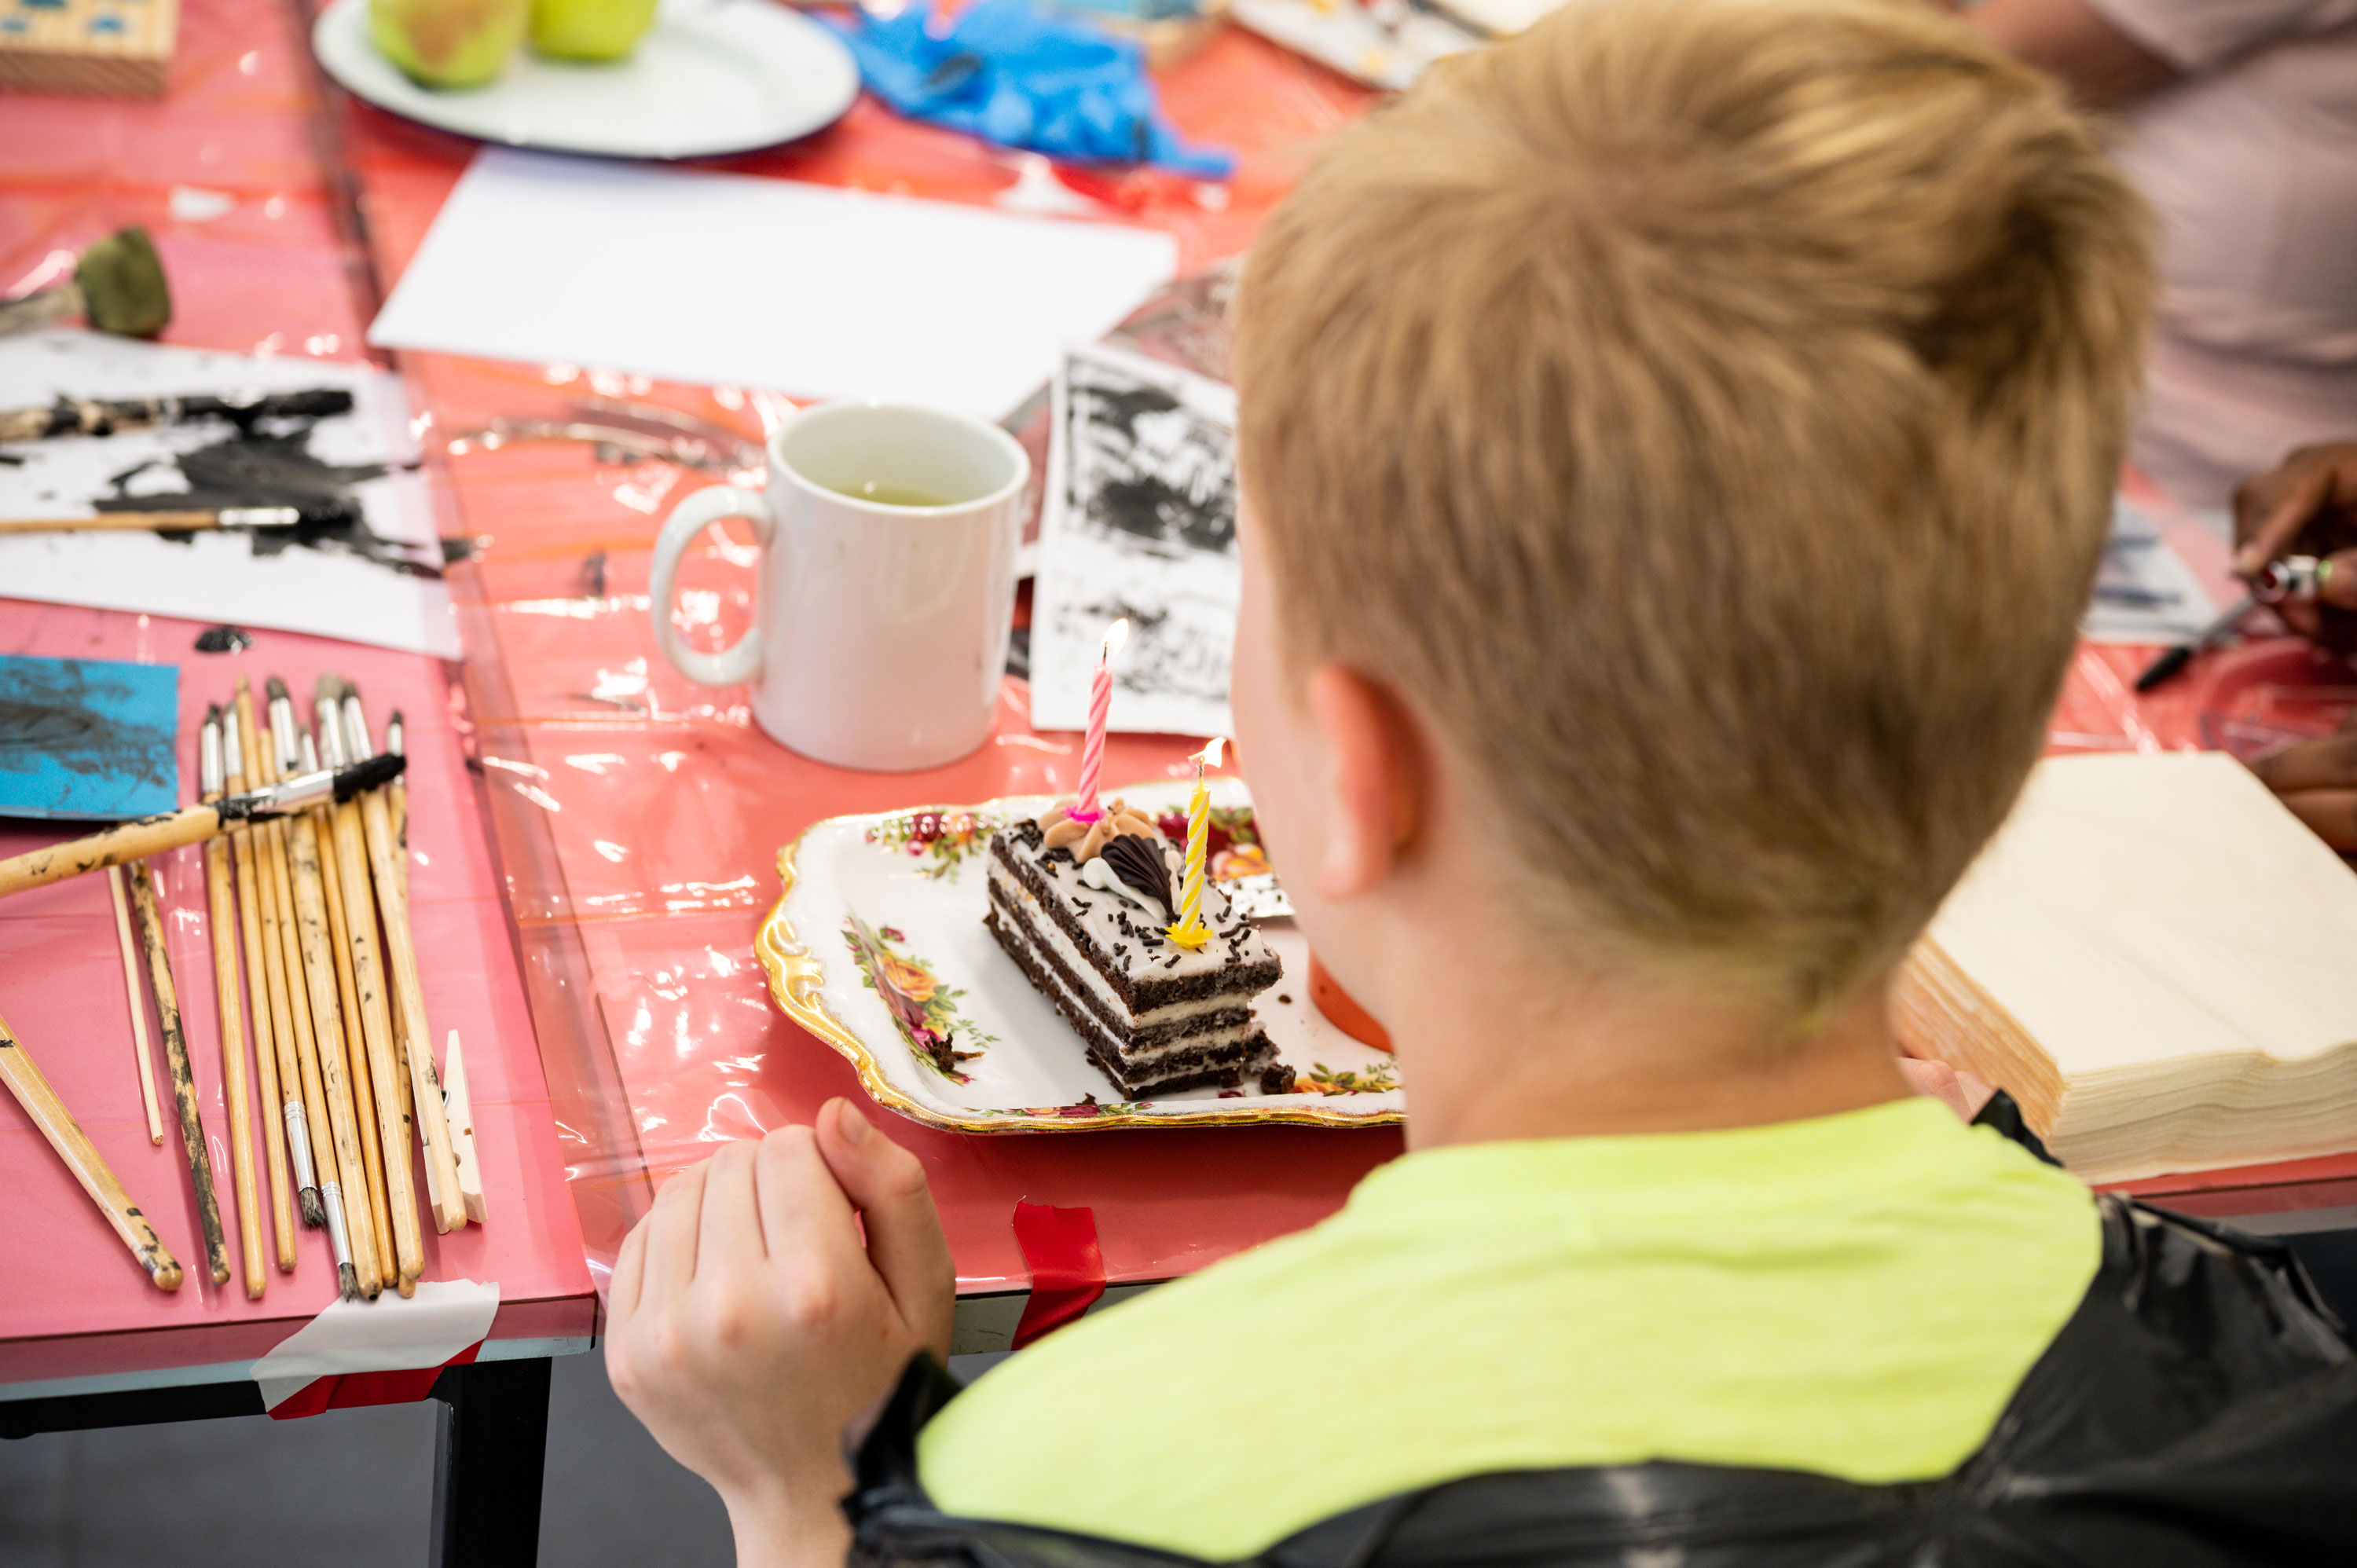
{"points": [[229, 577], [1140, 521], [732, 280], [387, 1335]]}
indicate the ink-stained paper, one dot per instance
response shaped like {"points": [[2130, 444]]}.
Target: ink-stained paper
{"points": [[1140, 521], [376, 581], [88, 739]]}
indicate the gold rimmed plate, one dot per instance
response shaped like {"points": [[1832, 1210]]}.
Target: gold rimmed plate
{"points": [[878, 948]]}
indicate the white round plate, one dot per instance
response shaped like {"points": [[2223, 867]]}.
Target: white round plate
{"points": [[711, 77], [894, 902]]}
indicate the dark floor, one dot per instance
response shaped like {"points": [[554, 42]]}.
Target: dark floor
{"points": [[351, 1488]]}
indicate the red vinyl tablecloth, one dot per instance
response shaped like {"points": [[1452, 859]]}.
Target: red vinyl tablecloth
{"points": [[637, 818]]}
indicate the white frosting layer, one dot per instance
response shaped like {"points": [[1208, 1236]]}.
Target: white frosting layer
{"points": [[1040, 929], [1131, 1057]]}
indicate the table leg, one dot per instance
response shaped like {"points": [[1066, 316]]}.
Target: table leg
{"points": [[488, 1454]]}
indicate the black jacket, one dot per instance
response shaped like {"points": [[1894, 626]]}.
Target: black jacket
{"points": [[2200, 1407]]}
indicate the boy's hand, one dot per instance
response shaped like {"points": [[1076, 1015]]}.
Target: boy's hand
{"points": [[2318, 779], [2308, 503], [751, 1326]]}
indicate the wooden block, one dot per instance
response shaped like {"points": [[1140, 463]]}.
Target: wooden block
{"points": [[97, 49], [462, 1129]]}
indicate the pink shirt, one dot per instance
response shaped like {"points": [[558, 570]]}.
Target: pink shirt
{"points": [[2252, 160]]}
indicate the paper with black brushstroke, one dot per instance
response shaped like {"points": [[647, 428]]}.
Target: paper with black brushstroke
{"points": [[1140, 521], [88, 739], [376, 581]]}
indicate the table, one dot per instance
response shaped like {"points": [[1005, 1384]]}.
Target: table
{"points": [[634, 819]]}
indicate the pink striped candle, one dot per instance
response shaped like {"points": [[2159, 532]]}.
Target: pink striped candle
{"points": [[1086, 809]]}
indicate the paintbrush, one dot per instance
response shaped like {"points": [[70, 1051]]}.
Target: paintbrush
{"points": [[118, 286], [105, 416], [313, 514], [221, 908], [244, 852], [176, 1056], [343, 1178], [408, 994], [145, 836]]}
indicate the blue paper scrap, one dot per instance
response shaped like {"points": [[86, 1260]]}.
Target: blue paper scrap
{"points": [[88, 739], [1016, 76]]}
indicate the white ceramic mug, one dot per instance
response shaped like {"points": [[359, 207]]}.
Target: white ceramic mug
{"points": [[881, 630]]}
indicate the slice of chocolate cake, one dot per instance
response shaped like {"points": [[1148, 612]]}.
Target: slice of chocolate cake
{"points": [[1082, 908]]}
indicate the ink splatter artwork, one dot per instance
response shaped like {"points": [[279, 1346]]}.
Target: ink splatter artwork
{"points": [[372, 575], [1141, 522], [88, 739]]}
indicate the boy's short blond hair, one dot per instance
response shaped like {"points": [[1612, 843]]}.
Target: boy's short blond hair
{"points": [[1708, 411]]}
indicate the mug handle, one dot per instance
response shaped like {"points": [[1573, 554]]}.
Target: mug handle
{"points": [[731, 666]]}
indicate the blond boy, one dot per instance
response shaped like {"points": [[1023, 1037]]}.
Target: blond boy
{"points": [[1677, 447]]}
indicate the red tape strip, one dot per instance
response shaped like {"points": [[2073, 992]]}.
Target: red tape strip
{"points": [[1068, 1270], [349, 1390]]}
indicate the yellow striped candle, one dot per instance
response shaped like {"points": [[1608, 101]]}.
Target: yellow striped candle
{"points": [[1188, 930]]}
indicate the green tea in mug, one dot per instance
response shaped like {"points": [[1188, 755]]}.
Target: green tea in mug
{"points": [[884, 492]]}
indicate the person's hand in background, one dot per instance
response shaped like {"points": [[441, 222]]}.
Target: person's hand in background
{"points": [[752, 1326], [2318, 779], [2307, 505], [1959, 1091]]}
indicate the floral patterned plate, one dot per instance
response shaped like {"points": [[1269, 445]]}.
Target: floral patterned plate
{"points": [[878, 948]]}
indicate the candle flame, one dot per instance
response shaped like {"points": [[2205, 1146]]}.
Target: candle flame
{"points": [[1115, 635], [1209, 756]]}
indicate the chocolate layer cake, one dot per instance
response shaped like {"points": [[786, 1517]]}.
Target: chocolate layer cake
{"points": [[1082, 910]]}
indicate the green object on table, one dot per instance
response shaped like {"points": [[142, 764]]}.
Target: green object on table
{"points": [[596, 30], [448, 43], [122, 287]]}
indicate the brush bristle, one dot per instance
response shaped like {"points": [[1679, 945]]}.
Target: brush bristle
{"points": [[328, 691], [312, 1214], [277, 688], [348, 1281], [212, 713]]}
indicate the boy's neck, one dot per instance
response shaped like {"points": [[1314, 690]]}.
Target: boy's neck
{"points": [[1535, 1051]]}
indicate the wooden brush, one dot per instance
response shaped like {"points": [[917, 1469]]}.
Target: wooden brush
{"points": [[286, 1033], [357, 934], [138, 1003], [400, 953], [175, 1056], [73, 1145], [327, 1024], [145, 836], [322, 514], [221, 910], [243, 849]]}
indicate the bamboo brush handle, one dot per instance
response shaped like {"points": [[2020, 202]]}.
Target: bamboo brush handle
{"points": [[116, 846], [73, 1147], [184, 1083], [327, 1034], [138, 1003], [111, 523], [450, 1211], [351, 923], [261, 841], [243, 847], [221, 910]]}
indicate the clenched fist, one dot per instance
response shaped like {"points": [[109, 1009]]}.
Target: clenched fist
{"points": [[752, 1326]]}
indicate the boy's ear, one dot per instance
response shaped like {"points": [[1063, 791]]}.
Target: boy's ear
{"points": [[1375, 785]]}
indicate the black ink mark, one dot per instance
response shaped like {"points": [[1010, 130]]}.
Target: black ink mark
{"points": [[224, 639], [269, 467]]}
